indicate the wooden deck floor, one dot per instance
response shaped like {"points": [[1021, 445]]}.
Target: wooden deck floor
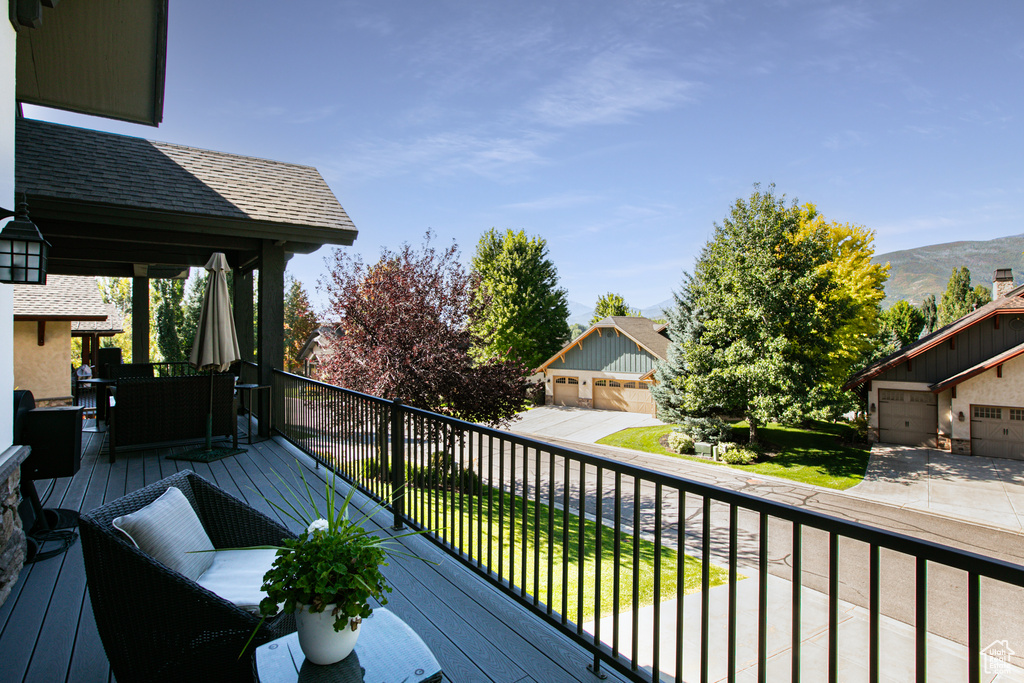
{"points": [[47, 631]]}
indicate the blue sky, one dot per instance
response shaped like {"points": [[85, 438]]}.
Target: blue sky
{"points": [[619, 131]]}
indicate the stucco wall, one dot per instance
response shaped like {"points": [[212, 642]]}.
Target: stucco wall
{"points": [[7, 107], [43, 370], [990, 390]]}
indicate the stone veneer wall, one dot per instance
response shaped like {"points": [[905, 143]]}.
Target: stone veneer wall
{"points": [[12, 536]]}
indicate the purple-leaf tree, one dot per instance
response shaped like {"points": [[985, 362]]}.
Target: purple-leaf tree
{"points": [[404, 324]]}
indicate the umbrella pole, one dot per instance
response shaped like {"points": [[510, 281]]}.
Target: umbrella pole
{"points": [[209, 417]]}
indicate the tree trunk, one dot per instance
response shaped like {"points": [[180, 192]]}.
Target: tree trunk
{"points": [[754, 436]]}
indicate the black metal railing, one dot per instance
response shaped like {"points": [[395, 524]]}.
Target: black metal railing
{"points": [[606, 553]]}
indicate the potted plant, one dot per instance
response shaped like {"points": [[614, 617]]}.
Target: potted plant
{"points": [[327, 575]]}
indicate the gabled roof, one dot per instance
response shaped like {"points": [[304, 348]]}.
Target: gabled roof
{"points": [[62, 298], [114, 324], [1013, 302], [85, 187], [645, 332], [321, 339]]}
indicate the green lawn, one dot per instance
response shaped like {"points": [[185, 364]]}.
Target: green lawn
{"points": [[812, 456], [455, 523]]}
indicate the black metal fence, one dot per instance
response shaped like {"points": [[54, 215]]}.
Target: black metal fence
{"points": [[660, 577]]}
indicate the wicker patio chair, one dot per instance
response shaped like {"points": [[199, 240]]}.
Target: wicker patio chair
{"points": [[156, 624]]}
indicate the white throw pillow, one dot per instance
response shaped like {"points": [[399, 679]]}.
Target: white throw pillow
{"points": [[237, 576], [167, 530]]}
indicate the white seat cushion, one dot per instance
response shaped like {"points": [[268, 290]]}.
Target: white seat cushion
{"points": [[169, 531], [237, 576]]}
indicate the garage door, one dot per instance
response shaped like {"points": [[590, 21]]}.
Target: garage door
{"points": [[567, 391], [910, 418], [997, 431], [629, 396]]}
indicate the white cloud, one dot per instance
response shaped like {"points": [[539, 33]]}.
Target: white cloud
{"points": [[846, 140], [610, 88], [561, 201], [442, 154]]}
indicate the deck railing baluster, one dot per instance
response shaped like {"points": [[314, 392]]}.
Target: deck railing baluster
{"points": [[350, 432]]}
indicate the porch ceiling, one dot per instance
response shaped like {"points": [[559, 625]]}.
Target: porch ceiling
{"points": [[108, 202], [102, 58]]}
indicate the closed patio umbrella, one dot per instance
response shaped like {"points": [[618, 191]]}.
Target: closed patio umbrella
{"points": [[216, 344]]}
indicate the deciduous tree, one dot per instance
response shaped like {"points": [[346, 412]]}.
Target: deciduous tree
{"points": [[521, 312], [754, 328], [405, 320], [611, 304], [168, 316], [299, 323], [903, 320]]}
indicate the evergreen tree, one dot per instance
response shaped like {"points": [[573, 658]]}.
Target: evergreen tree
{"points": [[519, 312], [611, 304], [960, 298], [299, 323], [931, 314]]}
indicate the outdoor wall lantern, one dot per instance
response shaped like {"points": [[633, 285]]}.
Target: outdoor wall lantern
{"points": [[872, 408], [584, 382], [960, 416], [23, 251]]}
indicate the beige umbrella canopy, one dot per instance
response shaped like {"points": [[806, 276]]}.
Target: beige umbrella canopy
{"points": [[215, 347], [216, 343]]}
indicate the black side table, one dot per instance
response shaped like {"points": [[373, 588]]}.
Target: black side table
{"points": [[387, 650], [248, 390]]}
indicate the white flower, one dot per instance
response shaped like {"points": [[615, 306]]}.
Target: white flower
{"points": [[318, 525]]}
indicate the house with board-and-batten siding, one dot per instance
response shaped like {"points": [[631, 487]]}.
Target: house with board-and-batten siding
{"points": [[960, 388], [608, 367]]}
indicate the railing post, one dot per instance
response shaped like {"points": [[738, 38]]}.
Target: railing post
{"points": [[398, 463]]}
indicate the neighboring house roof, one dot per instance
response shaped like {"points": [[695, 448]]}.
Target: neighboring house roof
{"points": [[63, 297], [1013, 302], [114, 324], [646, 333], [320, 341]]}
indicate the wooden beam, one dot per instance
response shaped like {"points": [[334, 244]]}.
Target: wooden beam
{"points": [[270, 341], [140, 320], [243, 311], [41, 333]]}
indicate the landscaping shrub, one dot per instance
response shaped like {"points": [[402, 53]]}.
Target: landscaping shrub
{"points": [[680, 442], [707, 429], [535, 394], [739, 455]]}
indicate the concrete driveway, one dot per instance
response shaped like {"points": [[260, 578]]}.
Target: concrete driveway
{"points": [[578, 424], [971, 488]]}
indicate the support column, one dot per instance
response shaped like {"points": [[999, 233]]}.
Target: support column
{"points": [[270, 342], [243, 312], [140, 319]]}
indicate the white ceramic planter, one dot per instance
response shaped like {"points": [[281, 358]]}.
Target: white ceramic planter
{"points": [[319, 641]]}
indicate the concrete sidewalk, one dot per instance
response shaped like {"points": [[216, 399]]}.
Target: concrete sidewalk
{"points": [[987, 491], [946, 662]]}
